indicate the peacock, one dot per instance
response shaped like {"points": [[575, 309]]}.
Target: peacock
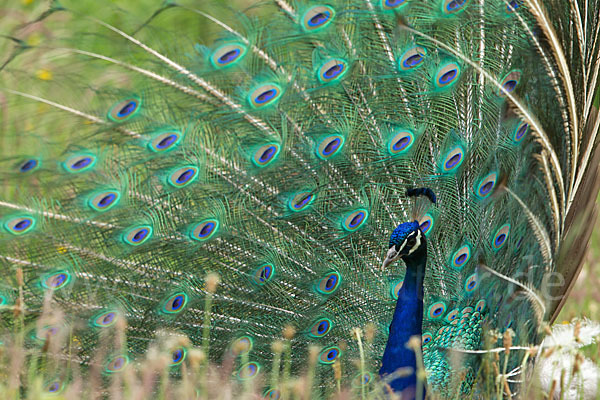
{"points": [[391, 191]]}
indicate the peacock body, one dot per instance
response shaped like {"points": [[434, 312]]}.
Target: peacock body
{"points": [[148, 149]]}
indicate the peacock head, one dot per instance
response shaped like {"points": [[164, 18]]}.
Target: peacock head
{"points": [[406, 239]]}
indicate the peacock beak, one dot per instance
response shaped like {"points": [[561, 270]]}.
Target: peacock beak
{"points": [[386, 263], [390, 257]]}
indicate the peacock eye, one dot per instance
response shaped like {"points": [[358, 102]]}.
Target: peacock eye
{"points": [[248, 371], [117, 364]]}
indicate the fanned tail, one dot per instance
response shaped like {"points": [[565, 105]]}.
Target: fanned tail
{"points": [[148, 149]]}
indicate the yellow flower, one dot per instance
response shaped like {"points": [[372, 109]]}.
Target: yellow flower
{"points": [[44, 74]]}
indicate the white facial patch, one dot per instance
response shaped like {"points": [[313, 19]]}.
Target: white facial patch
{"points": [[417, 242]]}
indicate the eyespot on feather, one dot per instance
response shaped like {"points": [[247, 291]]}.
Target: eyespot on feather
{"points": [[355, 220], [447, 75], [520, 132], [471, 283], [263, 274], [266, 154], [29, 165], [450, 7], [178, 356], [512, 6], [426, 338], [436, 310], [125, 109], [175, 303], [301, 201], [20, 225], [509, 83], [228, 55], [426, 224], [395, 289], [500, 237], [453, 160], [105, 200], [329, 283], [47, 332], [79, 163], [104, 319], [519, 243], [56, 280], [452, 315], [116, 364], [329, 355], [54, 387], [332, 71], [164, 141], [392, 5], [249, 370], [264, 95], [320, 327], [480, 306], [330, 146], [486, 185], [204, 230], [272, 394], [183, 176], [412, 58], [317, 18], [242, 345], [362, 379], [401, 142], [461, 257], [137, 235]]}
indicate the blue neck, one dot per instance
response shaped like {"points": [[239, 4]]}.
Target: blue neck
{"points": [[407, 321]]}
